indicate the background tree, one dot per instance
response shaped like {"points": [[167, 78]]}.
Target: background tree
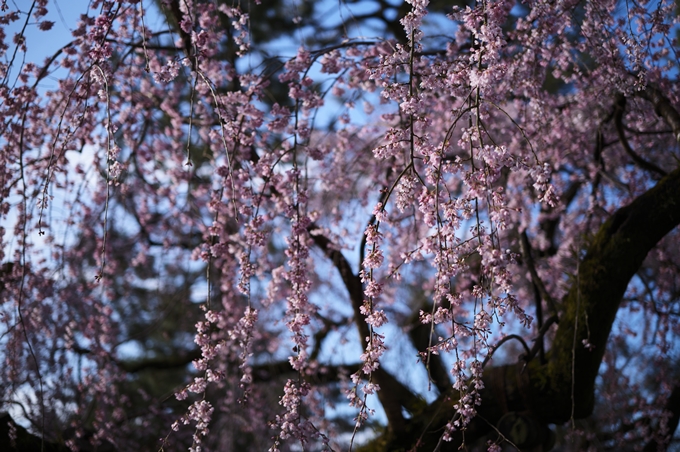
{"points": [[226, 222]]}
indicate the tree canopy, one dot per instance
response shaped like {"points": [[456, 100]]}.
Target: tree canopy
{"points": [[359, 225]]}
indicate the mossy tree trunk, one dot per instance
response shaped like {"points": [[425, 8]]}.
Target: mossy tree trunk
{"points": [[546, 392]]}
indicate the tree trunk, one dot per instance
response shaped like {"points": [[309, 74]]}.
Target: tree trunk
{"points": [[547, 393]]}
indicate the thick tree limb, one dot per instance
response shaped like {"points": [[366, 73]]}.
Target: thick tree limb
{"points": [[175, 16], [663, 108], [420, 338], [261, 373], [330, 374], [547, 392], [25, 441], [619, 110], [393, 395], [672, 406], [613, 257], [159, 362], [321, 375], [321, 335], [538, 282], [538, 344], [550, 223]]}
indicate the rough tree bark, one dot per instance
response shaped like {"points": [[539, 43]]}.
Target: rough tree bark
{"points": [[563, 387]]}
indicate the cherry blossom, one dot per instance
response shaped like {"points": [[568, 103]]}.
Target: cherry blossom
{"points": [[469, 216]]}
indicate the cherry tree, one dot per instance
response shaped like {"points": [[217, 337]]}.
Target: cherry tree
{"points": [[377, 226]]}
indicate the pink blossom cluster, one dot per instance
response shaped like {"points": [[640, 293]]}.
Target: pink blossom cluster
{"points": [[354, 193]]}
